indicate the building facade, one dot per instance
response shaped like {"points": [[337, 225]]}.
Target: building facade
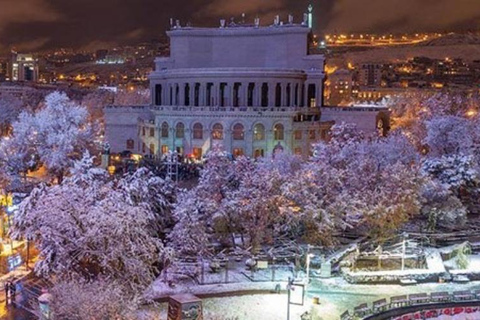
{"points": [[251, 89]]}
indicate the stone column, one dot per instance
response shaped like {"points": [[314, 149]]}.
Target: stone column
{"points": [[257, 92], [305, 95], [271, 93], [283, 88], [319, 97]]}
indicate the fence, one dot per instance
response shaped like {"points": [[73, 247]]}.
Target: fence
{"points": [[364, 311]]}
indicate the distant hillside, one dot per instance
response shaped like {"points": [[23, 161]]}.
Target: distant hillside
{"points": [[466, 52], [453, 40]]}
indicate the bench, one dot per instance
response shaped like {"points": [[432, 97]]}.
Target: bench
{"points": [[462, 295], [379, 305], [439, 296], [418, 298], [361, 310], [345, 316], [399, 301], [477, 293]]}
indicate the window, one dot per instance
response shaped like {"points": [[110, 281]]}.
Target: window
{"points": [[152, 148], [180, 150], [164, 130], [152, 132], [130, 144], [251, 88], [223, 94], [238, 132], [180, 131], [143, 131], [278, 132], [298, 151], [158, 94], [217, 132], [144, 147], [289, 95], [197, 131], [196, 95], [298, 134], [311, 134], [197, 153], [258, 153], [311, 95], [237, 152], [236, 94], [259, 132], [209, 97], [323, 134], [186, 94], [164, 149], [278, 95], [264, 95]]}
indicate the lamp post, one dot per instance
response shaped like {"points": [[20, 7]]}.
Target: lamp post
{"points": [[289, 288]]}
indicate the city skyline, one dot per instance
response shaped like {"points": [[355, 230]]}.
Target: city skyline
{"points": [[34, 25]]}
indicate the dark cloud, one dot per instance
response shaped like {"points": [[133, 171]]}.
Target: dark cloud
{"points": [[40, 24], [404, 15]]}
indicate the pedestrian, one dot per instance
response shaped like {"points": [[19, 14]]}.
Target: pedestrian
{"points": [[7, 292], [13, 290]]}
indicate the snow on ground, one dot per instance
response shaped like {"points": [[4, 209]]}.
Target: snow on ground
{"points": [[473, 265], [336, 296]]}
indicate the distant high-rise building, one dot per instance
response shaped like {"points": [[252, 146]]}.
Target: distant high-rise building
{"points": [[4, 74], [339, 88], [370, 75], [24, 68]]}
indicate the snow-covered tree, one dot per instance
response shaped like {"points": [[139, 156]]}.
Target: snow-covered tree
{"points": [[449, 135], [441, 207], [10, 109], [88, 226], [55, 135], [132, 97], [79, 299]]}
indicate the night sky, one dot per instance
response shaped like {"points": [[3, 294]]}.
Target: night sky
{"points": [[33, 25]]}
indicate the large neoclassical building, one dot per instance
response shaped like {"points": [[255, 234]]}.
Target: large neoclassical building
{"points": [[249, 88]]}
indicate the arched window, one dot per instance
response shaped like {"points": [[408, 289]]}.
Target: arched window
{"points": [[238, 132], [259, 132], [278, 131], [217, 132], [180, 131], [197, 131], [164, 130], [130, 144]]}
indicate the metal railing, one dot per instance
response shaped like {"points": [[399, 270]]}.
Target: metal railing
{"points": [[397, 302]]}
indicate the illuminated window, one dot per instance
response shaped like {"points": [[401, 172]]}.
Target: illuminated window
{"points": [[311, 134], [298, 151], [237, 152], [278, 132], [164, 149], [197, 131], [197, 153], [164, 130], [180, 131], [130, 144], [258, 153], [259, 132], [152, 148], [238, 132], [217, 132], [298, 134]]}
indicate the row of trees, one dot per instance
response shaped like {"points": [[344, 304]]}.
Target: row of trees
{"points": [[98, 233]]}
